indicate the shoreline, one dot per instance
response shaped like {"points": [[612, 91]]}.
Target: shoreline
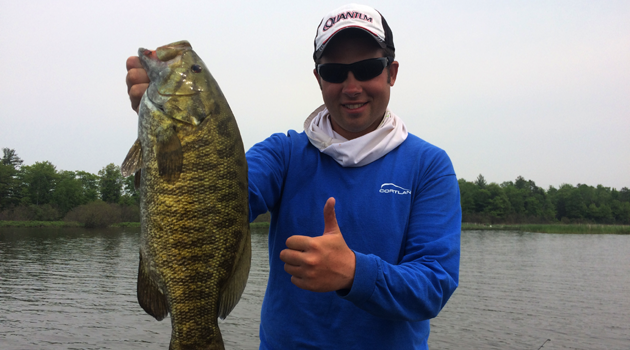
{"points": [[536, 228], [552, 228], [62, 224], [59, 224]]}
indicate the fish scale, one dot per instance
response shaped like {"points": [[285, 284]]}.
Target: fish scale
{"points": [[195, 242]]}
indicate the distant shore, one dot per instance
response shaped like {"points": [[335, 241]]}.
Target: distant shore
{"points": [[552, 228], [539, 228], [4, 223]]}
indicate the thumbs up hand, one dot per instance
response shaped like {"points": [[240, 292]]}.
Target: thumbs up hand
{"points": [[320, 264]]}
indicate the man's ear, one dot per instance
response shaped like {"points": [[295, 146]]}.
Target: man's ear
{"points": [[317, 77], [393, 72]]}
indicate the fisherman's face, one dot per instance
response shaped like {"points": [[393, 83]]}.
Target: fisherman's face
{"points": [[356, 107]]}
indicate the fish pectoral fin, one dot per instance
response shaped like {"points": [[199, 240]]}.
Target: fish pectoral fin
{"points": [[233, 289], [133, 161], [170, 158], [149, 295]]}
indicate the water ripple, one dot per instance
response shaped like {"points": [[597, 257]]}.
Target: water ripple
{"points": [[76, 289], [519, 289]]}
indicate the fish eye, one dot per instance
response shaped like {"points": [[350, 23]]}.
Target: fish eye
{"points": [[196, 68]]}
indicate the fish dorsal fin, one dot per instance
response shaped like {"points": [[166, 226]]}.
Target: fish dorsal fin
{"points": [[231, 293], [170, 158], [133, 161], [149, 295]]}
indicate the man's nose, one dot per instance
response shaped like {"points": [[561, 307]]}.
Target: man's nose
{"points": [[351, 86]]}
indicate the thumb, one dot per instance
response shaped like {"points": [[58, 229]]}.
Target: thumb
{"points": [[330, 219]]}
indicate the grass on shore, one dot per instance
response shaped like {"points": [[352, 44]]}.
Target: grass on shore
{"points": [[4, 223], [259, 225], [553, 228], [126, 224], [541, 228]]}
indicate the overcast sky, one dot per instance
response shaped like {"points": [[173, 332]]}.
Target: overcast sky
{"points": [[539, 89]]}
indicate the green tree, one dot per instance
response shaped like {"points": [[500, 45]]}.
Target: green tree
{"points": [[481, 182], [533, 207], [467, 193], [576, 206], [90, 185], [602, 195], [516, 197], [482, 200], [520, 183], [522, 201], [8, 183], [620, 211], [110, 183], [498, 206], [130, 195], [38, 181], [68, 192], [10, 157], [9, 186], [569, 203]]}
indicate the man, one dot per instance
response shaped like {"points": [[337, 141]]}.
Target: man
{"points": [[383, 258]]}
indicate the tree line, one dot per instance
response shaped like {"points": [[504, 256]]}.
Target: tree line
{"points": [[40, 192], [521, 201]]}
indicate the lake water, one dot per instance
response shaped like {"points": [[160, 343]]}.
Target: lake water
{"points": [[76, 289]]}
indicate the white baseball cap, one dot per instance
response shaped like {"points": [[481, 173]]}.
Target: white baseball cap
{"points": [[355, 16]]}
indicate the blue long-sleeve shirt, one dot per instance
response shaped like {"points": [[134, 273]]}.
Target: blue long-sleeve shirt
{"points": [[400, 215]]}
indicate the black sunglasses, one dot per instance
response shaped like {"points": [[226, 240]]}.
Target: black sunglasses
{"points": [[363, 70]]}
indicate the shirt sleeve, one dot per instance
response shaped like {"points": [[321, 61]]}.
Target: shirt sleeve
{"points": [[266, 162], [419, 286]]}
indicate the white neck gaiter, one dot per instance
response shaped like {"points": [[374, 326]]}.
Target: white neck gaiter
{"points": [[361, 150]]}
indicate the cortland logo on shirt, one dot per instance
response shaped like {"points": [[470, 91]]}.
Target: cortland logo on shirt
{"points": [[391, 188], [350, 14]]}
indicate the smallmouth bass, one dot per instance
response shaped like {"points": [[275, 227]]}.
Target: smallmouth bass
{"points": [[189, 164]]}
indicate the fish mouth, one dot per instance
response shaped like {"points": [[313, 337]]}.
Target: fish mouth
{"points": [[142, 52], [148, 58]]}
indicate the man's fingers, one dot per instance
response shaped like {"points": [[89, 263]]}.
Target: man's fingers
{"points": [[291, 257], [293, 270], [300, 243], [137, 81], [330, 218], [135, 95], [136, 76], [137, 90], [298, 282], [133, 62]]}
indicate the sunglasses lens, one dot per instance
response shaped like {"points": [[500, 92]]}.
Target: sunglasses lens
{"points": [[363, 70], [368, 69], [333, 73]]}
